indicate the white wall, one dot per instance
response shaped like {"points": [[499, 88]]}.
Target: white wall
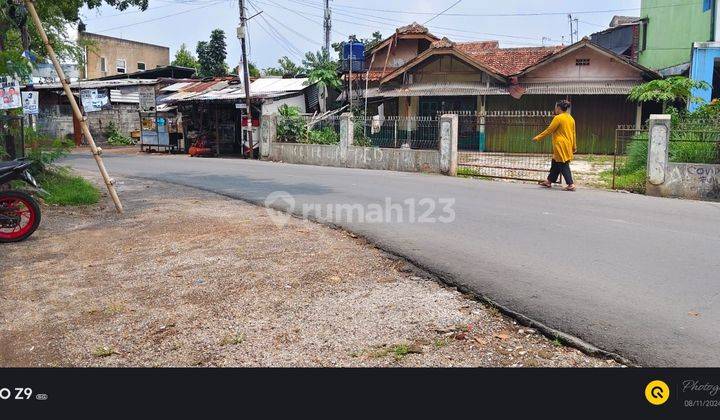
{"points": [[298, 101]]}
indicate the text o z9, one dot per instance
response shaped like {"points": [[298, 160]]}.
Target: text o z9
{"points": [[15, 393]]}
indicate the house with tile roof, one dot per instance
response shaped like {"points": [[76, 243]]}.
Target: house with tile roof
{"points": [[415, 73]]}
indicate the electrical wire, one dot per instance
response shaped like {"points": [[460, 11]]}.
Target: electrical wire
{"points": [[441, 13], [276, 35], [520, 14], [382, 20], [161, 17]]}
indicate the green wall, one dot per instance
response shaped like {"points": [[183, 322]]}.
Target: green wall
{"points": [[671, 31]]}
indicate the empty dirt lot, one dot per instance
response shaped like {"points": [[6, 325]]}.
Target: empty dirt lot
{"points": [[189, 278]]}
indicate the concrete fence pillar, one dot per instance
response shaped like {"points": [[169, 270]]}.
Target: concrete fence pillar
{"points": [[658, 145], [449, 144], [347, 134], [268, 134]]}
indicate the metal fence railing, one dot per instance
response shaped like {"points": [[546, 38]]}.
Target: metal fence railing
{"points": [[630, 155], [308, 129], [12, 143], [499, 144], [696, 141], [396, 132]]}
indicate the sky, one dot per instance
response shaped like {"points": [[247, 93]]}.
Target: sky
{"points": [[292, 27]]}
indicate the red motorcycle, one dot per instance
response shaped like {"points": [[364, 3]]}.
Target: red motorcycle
{"points": [[19, 212]]}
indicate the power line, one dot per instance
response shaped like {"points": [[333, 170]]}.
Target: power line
{"points": [[276, 35], [520, 14], [162, 17], [439, 14], [302, 15], [301, 35], [384, 21], [130, 12]]}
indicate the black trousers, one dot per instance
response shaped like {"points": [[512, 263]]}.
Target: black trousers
{"points": [[557, 168]]}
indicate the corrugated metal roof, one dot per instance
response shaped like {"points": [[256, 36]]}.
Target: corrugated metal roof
{"points": [[190, 90], [615, 87], [176, 87], [117, 96], [98, 84], [261, 88], [273, 85], [438, 89]]}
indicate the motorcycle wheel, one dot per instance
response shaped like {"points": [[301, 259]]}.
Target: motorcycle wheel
{"points": [[23, 206]]}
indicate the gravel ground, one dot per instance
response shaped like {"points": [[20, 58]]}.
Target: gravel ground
{"points": [[190, 278]]}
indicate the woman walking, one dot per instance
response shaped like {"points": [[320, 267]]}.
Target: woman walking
{"points": [[564, 145]]}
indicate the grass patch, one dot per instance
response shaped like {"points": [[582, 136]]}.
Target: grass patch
{"points": [[628, 181], [233, 340], [67, 189], [441, 342], [470, 172], [104, 351]]}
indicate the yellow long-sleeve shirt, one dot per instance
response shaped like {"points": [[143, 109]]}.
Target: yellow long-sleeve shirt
{"points": [[564, 142]]}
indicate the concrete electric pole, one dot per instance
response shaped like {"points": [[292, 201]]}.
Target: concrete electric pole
{"points": [[241, 32], [328, 27]]}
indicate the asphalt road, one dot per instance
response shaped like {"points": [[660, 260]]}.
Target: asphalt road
{"points": [[634, 275]]}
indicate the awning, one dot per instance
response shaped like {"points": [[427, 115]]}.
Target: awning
{"points": [[615, 87]]}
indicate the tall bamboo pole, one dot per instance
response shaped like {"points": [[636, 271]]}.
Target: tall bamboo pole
{"points": [[73, 103]]}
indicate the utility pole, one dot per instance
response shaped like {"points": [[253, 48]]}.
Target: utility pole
{"points": [[73, 103], [328, 27], [246, 73], [574, 33]]}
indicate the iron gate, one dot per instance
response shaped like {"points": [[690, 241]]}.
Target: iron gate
{"points": [[630, 154], [499, 144]]}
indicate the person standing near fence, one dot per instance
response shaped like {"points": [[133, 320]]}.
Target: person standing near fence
{"points": [[564, 145]]}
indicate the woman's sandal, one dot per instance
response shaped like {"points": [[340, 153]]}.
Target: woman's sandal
{"points": [[545, 184], [569, 188]]}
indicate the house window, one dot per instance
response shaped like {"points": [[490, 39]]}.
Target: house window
{"points": [[141, 66], [582, 61], [120, 65], [103, 64]]}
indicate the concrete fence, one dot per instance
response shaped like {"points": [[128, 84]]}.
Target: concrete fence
{"points": [[347, 155], [671, 179]]}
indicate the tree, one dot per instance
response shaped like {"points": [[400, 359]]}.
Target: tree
{"points": [[323, 71], [668, 91], [20, 42], [289, 68], [211, 55], [253, 70], [184, 58], [286, 68]]}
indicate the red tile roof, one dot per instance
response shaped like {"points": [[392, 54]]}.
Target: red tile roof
{"points": [[505, 61], [413, 28], [442, 43]]}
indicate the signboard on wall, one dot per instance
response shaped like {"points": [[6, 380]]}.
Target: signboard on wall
{"points": [[10, 95], [30, 102], [94, 100], [147, 98]]}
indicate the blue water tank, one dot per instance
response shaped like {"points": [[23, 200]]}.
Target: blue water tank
{"points": [[354, 52]]}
